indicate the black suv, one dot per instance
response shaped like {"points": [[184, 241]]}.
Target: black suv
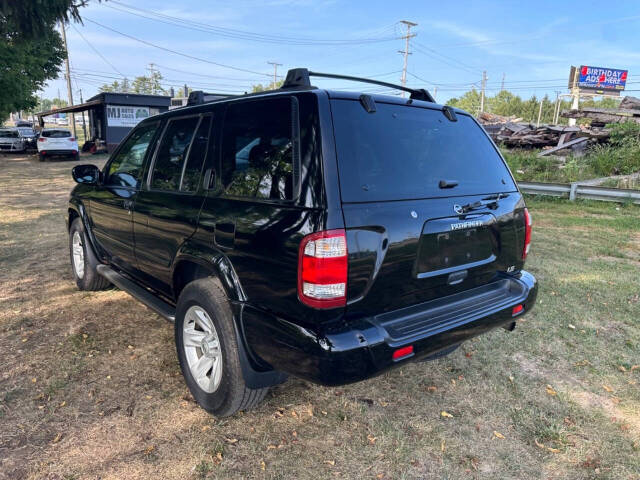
{"points": [[323, 234]]}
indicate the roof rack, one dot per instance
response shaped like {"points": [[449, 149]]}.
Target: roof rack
{"points": [[299, 78], [197, 97]]}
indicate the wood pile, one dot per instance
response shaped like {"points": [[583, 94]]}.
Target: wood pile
{"points": [[628, 111], [513, 133]]}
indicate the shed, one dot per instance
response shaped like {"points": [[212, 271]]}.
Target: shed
{"points": [[113, 115]]}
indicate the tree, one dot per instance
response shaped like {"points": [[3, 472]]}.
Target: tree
{"points": [[31, 50], [150, 85], [470, 101], [271, 86]]}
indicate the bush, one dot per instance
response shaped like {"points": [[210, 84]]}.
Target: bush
{"points": [[622, 155]]}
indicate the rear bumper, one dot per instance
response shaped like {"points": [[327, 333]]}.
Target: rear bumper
{"points": [[363, 348], [51, 153]]}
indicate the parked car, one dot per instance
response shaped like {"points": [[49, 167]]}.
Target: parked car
{"points": [[57, 142], [323, 234], [29, 137], [24, 123], [11, 141]]}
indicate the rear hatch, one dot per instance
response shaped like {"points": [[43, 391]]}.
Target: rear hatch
{"points": [[430, 207], [57, 139]]}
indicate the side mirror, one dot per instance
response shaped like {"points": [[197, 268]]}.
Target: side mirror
{"points": [[87, 174]]}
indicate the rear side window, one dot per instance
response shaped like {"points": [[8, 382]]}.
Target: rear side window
{"points": [[258, 144], [56, 134], [172, 153], [403, 152]]}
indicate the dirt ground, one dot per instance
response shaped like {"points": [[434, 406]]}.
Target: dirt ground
{"points": [[90, 386]]}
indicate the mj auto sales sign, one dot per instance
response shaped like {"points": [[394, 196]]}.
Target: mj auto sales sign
{"points": [[602, 78]]}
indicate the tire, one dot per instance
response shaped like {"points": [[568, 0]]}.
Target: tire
{"points": [[41, 157], [220, 392], [83, 260]]}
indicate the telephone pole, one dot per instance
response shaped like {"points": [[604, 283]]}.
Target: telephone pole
{"points": [[151, 78], [484, 85], [502, 84], [84, 126], [275, 72], [68, 76], [406, 52]]}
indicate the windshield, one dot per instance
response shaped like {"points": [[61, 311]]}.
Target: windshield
{"points": [[55, 133], [9, 133], [27, 132], [402, 152]]}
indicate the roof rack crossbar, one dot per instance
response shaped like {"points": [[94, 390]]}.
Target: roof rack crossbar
{"points": [[299, 77]]}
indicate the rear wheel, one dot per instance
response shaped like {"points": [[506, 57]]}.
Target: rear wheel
{"points": [[83, 262], [207, 348], [41, 157]]}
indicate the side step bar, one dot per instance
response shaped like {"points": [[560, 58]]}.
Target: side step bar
{"points": [[123, 283]]}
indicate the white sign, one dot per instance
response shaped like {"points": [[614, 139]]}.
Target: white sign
{"points": [[123, 116]]}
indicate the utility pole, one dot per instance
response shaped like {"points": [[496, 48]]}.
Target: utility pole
{"points": [[575, 91], [435, 92], [556, 110], [502, 84], [406, 52], [151, 78], [84, 126], [275, 72], [484, 85], [540, 112], [68, 75]]}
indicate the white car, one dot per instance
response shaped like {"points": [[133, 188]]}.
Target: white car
{"points": [[56, 141], [62, 121], [11, 140]]}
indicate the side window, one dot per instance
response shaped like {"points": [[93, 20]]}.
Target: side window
{"points": [[125, 168], [257, 149], [197, 153], [174, 147]]}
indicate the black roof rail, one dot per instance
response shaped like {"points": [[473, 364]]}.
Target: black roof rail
{"points": [[196, 97], [299, 77]]}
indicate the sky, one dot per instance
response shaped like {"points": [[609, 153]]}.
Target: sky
{"points": [[224, 45]]}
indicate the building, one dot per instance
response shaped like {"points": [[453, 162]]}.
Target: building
{"points": [[113, 115]]}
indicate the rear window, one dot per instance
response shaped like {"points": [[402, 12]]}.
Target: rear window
{"points": [[403, 152], [56, 133]]}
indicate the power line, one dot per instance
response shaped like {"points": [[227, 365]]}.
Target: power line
{"points": [[445, 58], [96, 51], [235, 33], [175, 52]]}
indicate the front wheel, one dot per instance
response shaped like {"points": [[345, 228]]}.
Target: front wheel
{"points": [[83, 262], [207, 348]]}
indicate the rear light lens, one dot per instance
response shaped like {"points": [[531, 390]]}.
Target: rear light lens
{"points": [[527, 234], [41, 139], [72, 139], [517, 310], [402, 352], [322, 269]]}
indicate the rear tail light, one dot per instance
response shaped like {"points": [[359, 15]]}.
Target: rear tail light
{"points": [[322, 269], [72, 139], [527, 233], [517, 310], [41, 139]]}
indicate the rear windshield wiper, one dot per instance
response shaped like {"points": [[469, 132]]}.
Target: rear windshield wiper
{"points": [[491, 202]]}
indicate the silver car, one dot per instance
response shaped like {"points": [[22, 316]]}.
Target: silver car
{"points": [[11, 140]]}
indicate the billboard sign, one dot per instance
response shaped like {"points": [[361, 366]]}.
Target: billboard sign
{"points": [[602, 78], [125, 116]]}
